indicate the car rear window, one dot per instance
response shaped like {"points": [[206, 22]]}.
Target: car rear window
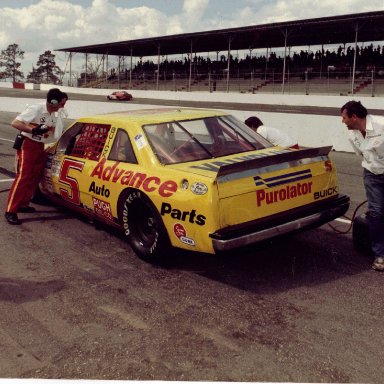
{"points": [[199, 139]]}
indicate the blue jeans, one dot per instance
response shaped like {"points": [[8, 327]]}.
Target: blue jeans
{"points": [[374, 188]]}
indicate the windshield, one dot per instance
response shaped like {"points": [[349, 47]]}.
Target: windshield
{"points": [[211, 137]]}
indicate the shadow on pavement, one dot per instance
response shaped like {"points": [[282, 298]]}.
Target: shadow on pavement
{"points": [[21, 291]]}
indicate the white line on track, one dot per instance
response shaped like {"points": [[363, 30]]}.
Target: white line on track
{"points": [[343, 220], [5, 180], [11, 141], [288, 110]]}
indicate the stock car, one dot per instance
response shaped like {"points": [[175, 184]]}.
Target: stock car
{"points": [[119, 95], [194, 179]]}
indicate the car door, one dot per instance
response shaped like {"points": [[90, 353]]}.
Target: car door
{"points": [[77, 153], [118, 160]]}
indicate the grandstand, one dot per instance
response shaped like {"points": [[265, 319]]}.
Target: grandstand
{"points": [[368, 83], [346, 58]]}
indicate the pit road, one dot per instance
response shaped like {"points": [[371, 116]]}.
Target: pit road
{"points": [[76, 303]]}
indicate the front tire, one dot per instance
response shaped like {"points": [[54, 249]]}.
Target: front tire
{"points": [[143, 227], [38, 197]]}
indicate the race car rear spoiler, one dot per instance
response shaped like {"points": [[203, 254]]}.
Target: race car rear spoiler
{"points": [[316, 154]]}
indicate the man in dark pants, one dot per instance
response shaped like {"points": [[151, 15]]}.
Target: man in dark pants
{"points": [[366, 134], [35, 124]]}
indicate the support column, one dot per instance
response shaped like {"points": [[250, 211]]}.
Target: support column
{"points": [[228, 61], [70, 69], [190, 69], [130, 71], [86, 68], [158, 67], [118, 72], [354, 59], [266, 64], [106, 68], [285, 56]]}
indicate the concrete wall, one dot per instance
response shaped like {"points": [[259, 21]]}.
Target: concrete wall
{"points": [[309, 130]]}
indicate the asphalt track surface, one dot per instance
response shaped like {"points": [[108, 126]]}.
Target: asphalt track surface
{"points": [[76, 303]]}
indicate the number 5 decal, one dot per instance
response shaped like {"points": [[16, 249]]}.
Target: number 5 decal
{"points": [[71, 193]]}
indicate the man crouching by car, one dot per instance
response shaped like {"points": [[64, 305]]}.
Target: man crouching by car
{"points": [[36, 123]]}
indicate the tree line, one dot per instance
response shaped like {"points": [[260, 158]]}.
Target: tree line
{"points": [[45, 71]]}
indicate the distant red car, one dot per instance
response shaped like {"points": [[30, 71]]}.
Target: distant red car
{"points": [[120, 95]]}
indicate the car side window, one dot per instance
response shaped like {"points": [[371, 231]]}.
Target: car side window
{"points": [[122, 149], [88, 142]]}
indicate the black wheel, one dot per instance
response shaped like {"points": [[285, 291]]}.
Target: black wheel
{"points": [[143, 227], [360, 234]]}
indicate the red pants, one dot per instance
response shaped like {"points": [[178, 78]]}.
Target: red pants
{"points": [[31, 160]]}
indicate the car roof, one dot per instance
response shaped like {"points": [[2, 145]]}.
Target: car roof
{"points": [[153, 116]]}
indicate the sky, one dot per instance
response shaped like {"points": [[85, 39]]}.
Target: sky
{"points": [[41, 25]]}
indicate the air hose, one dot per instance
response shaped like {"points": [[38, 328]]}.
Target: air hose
{"points": [[351, 220]]}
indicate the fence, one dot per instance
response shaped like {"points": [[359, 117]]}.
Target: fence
{"points": [[331, 82]]}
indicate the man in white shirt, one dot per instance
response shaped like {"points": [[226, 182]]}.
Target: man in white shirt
{"points": [[35, 124], [273, 135], [366, 134]]}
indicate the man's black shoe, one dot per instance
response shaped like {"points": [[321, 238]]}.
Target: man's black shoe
{"points": [[12, 218], [26, 209]]}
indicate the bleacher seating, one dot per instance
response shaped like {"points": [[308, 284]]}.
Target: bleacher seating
{"points": [[320, 73]]}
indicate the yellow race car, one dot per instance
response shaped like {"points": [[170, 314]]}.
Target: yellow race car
{"points": [[189, 178]]}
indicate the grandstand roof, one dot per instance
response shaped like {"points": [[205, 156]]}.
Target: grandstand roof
{"points": [[325, 30]]}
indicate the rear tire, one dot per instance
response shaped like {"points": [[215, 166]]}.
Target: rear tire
{"points": [[143, 228]]}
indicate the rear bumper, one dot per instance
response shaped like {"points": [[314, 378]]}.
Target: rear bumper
{"points": [[296, 220]]}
